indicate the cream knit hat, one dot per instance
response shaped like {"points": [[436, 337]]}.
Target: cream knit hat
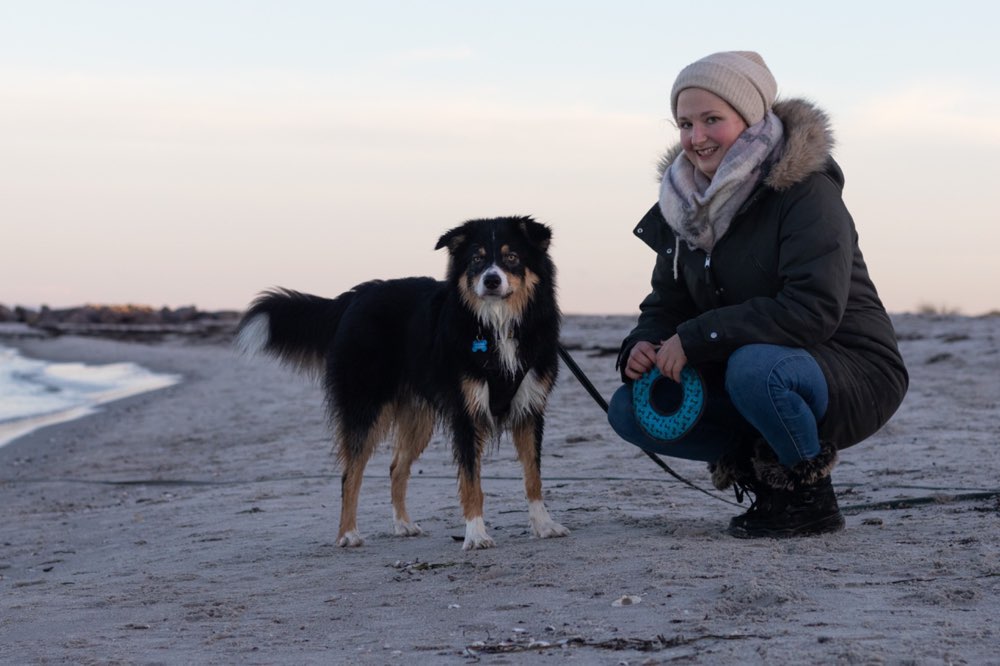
{"points": [[739, 77]]}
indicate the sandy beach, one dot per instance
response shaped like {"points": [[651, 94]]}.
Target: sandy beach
{"points": [[197, 523]]}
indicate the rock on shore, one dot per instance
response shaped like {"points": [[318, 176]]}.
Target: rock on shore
{"points": [[121, 321]]}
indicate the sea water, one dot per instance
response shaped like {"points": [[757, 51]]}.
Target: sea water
{"points": [[35, 393]]}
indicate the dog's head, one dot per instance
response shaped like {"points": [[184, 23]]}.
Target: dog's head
{"points": [[499, 264]]}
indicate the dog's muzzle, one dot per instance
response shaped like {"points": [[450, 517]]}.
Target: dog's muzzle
{"points": [[493, 283]]}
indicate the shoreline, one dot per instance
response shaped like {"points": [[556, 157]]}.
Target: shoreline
{"points": [[85, 402], [197, 523]]}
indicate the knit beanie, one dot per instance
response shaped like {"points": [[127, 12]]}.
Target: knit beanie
{"points": [[739, 77]]}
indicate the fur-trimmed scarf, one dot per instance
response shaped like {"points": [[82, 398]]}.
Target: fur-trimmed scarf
{"points": [[699, 209]]}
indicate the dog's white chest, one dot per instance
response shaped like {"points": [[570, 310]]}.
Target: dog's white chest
{"points": [[507, 353]]}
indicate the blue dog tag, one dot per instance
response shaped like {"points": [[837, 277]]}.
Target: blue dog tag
{"points": [[674, 424], [479, 345]]}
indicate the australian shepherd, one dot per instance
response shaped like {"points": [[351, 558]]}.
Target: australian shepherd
{"points": [[476, 354]]}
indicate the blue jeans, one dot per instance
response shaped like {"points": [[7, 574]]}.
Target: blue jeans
{"points": [[765, 391]]}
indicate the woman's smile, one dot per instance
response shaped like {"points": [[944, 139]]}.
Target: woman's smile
{"points": [[709, 126]]}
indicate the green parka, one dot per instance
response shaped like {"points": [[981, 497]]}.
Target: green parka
{"points": [[788, 271]]}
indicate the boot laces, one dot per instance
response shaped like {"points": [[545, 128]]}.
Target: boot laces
{"points": [[743, 489]]}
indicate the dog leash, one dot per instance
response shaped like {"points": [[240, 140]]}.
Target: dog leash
{"points": [[599, 399]]}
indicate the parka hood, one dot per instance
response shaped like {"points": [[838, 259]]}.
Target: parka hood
{"points": [[808, 145]]}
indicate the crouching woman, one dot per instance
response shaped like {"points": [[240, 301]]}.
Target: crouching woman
{"points": [[759, 285]]}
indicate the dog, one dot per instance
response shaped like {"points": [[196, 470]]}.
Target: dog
{"points": [[476, 354]]}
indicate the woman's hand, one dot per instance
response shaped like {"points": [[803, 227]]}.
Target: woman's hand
{"points": [[671, 359], [640, 359]]}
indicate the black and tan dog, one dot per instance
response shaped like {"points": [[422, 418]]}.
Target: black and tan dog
{"points": [[476, 354]]}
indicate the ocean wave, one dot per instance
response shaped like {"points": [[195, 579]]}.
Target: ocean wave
{"points": [[35, 393]]}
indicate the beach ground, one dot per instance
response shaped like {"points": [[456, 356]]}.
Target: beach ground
{"points": [[197, 524]]}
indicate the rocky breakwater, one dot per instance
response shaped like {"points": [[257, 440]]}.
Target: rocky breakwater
{"points": [[127, 322]]}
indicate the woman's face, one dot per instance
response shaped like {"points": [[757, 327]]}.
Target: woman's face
{"points": [[709, 126]]}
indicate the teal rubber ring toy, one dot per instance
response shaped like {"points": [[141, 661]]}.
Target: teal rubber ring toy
{"points": [[673, 425]]}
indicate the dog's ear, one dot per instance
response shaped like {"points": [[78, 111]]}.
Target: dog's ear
{"points": [[537, 233], [453, 239]]}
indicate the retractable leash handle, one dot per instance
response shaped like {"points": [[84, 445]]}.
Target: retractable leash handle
{"points": [[599, 399]]}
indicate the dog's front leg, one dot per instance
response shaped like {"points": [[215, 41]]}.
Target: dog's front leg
{"points": [[469, 443], [527, 437]]}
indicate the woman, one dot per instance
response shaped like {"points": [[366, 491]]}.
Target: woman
{"points": [[760, 285]]}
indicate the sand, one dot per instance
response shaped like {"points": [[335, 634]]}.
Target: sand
{"points": [[197, 523]]}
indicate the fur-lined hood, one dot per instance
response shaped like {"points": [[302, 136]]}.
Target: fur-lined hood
{"points": [[808, 144]]}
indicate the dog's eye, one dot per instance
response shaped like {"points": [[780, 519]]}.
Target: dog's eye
{"points": [[478, 260], [511, 259]]}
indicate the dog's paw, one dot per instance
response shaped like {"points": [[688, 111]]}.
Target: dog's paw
{"points": [[476, 537], [479, 543], [549, 529], [542, 525], [403, 528], [351, 539]]}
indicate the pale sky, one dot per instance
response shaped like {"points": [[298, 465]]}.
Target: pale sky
{"points": [[196, 152]]}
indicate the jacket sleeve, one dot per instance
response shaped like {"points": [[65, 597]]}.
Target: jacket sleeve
{"points": [[815, 256], [667, 305]]}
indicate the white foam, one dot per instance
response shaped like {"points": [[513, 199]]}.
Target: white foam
{"points": [[35, 393]]}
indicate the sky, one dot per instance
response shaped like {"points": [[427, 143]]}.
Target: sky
{"points": [[175, 153]]}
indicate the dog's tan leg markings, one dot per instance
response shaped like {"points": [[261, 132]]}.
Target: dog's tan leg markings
{"points": [[350, 488], [525, 442], [470, 492], [414, 427], [354, 453]]}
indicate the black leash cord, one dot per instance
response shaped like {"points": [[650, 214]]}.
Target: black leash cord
{"points": [[582, 378], [599, 399]]}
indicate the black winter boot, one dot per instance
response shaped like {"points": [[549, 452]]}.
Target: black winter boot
{"points": [[760, 505], [736, 470], [790, 502]]}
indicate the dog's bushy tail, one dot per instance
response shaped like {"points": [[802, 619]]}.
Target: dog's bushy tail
{"points": [[295, 328]]}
